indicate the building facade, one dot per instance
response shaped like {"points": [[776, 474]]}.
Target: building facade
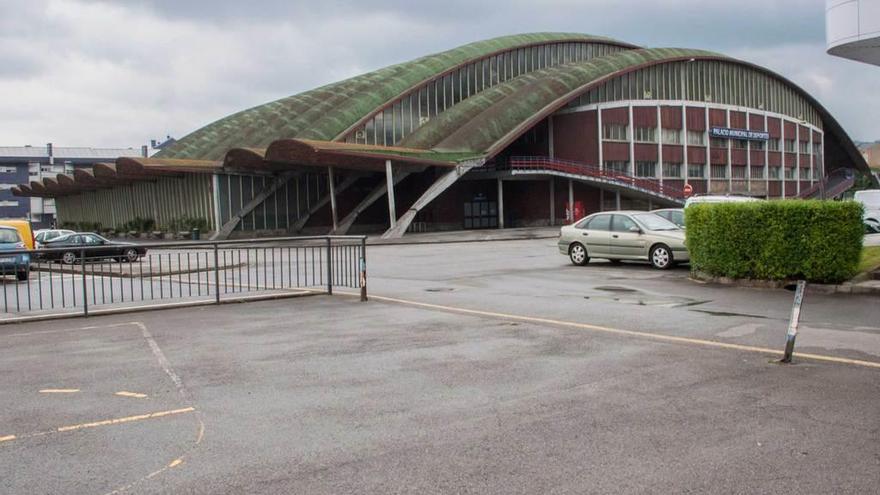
{"points": [[22, 164], [522, 130]]}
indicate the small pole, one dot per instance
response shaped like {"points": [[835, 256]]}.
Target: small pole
{"points": [[216, 274], [363, 269], [793, 322], [329, 267], [82, 260]]}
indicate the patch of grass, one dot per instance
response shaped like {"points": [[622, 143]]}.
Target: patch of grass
{"points": [[870, 259]]}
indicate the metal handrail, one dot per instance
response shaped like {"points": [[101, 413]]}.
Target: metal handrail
{"points": [[578, 168]]}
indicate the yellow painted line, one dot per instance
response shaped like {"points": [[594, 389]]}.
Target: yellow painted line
{"points": [[59, 390], [176, 462], [134, 395], [128, 419], [628, 333], [7, 438]]}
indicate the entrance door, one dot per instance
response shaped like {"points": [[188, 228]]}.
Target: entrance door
{"points": [[480, 214]]}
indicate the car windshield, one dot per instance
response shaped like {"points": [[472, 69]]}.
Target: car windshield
{"points": [[870, 198], [652, 221], [9, 236]]}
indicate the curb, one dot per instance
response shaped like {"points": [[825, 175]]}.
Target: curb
{"points": [[844, 288]]}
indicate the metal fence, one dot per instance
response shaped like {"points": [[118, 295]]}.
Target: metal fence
{"points": [[84, 279]]}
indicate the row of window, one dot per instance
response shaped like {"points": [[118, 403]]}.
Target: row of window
{"points": [[720, 82], [673, 170], [409, 112], [620, 132]]}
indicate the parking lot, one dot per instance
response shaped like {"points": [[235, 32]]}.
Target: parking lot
{"points": [[492, 367]]}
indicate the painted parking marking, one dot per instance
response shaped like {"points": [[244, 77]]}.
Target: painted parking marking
{"points": [[176, 462], [619, 331], [7, 438], [59, 390], [133, 395]]}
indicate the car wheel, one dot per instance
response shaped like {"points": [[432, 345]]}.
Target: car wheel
{"points": [[577, 253], [22, 275], [130, 255], [661, 257], [68, 258]]}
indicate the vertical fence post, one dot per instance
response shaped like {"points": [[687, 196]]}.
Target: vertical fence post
{"points": [[82, 261], [217, 274], [363, 266], [793, 323], [329, 266]]}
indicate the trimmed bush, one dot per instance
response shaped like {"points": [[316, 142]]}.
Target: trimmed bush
{"points": [[818, 241]]}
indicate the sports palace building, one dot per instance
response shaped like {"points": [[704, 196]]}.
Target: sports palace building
{"points": [[522, 130]]}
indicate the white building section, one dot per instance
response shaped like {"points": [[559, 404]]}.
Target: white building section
{"points": [[852, 29]]}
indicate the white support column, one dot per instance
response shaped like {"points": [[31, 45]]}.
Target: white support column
{"points": [[708, 165], [599, 137], [729, 157], [748, 155], [389, 179], [812, 151], [797, 158], [552, 201], [659, 146], [218, 219], [617, 200], [500, 203], [333, 212], [632, 143], [767, 157], [684, 140], [782, 147]]}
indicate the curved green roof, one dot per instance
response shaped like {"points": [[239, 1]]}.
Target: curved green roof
{"points": [[485, 119], [325, 112]]}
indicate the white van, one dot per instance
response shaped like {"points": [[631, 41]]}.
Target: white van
{"points": [[870, 199], [719, 198]]}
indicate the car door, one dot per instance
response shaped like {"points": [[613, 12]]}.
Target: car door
{"points": [[94, 242], [624, 242], [596, 234]]}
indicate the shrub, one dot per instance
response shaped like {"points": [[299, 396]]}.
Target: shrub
{"points": [[818, 241]]}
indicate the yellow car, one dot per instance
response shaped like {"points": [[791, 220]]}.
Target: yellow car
{"points": [[23, 227], [624, 235]]}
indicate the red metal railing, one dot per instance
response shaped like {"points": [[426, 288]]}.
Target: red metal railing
{"points": [[836, 183], [577, 168]]}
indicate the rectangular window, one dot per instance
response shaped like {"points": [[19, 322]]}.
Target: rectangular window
{"points": [[620, 167], [757, 172], [773, 144], [646, 169], [696, 138], [804, 147], [696, 170], [719, 171], [671, 136], [718, 143], [646, 134], [757, 145], [789, 145], [8, 203], [789, 173], [615, 132], [738, 172], [805, 173], [672, 170], [773, 173], [7, 170], [739, 144]]}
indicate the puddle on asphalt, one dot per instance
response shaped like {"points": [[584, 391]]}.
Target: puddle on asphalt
{"points": [[726, 313], [636, 297], [439, 289]]}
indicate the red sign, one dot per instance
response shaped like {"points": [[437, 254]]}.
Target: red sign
{"points": [[576, 213], [688, 190]]}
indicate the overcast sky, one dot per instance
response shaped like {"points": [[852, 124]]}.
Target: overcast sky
{"points": [[90, 73]]}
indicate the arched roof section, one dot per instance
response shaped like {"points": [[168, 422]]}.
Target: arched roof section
{"points": [[324, 113], [488, 122]]}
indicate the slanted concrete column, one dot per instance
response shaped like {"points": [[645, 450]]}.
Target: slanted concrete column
{"points": [[500, 203], [552, 201], [571, 218], [392, 209], [617, 200], [332, 197]]}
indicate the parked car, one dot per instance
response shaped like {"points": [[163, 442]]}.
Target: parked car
{"points": [[43, 236], [674, 215], [624, 235], [24, 228], [719, 198], [103, 249], [19, 264], [870, 199]]}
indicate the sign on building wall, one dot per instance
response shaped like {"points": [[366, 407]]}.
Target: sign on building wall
{"points": [[727, 133]]}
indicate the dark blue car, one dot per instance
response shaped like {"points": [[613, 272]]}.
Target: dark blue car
{"points": [[19, 264]]}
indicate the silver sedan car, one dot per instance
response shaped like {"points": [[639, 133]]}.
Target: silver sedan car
{"points": [[624, 235]]}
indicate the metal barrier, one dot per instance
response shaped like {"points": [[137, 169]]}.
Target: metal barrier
{"points": [[80, 279]]}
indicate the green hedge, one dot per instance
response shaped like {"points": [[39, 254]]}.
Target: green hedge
{"points": [[819, 241]]}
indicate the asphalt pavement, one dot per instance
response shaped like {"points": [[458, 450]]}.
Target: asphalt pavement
{"points": [[475, 368]]}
